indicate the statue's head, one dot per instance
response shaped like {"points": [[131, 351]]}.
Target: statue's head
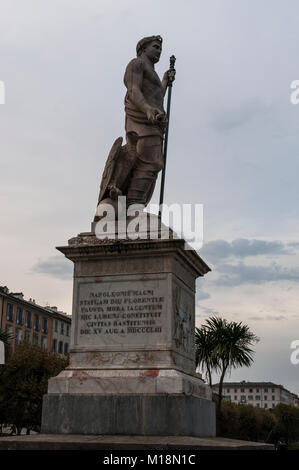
{"points": [[151, 46]]}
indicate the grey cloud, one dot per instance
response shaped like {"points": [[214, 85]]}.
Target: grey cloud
{"points": [[238, 116], [206, 311], [294, 244], [243, 247], [235, 275], [202, 295], [55, 266], [268, 317]]}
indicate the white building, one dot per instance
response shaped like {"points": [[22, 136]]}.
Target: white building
{"points": [[260, 394]]}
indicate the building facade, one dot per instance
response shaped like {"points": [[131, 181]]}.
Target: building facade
{"points": [[260, 394], [24, 320], [61, 331]]}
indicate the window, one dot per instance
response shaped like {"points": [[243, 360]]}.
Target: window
{"points": [[250, 390], [265, 390], [19, 316], [257, 397], [250, 397], [35, 339], [67, 330], [18, 337], [242, 390], [273, 390], [66, 350], [266, 406], [56, 326], [44, 342], [44, 325], [236, 398], [36, 323], [27, 336], [60, 345], [54, 345], [236, 390], [258, 405], [9, 330], [243, 399], [228, 390], [273, 405], [273, 397], [28, 320], [257, 390], [9, 312], [266, 397], [62, 328]]}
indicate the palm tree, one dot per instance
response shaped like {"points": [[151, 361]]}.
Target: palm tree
{"points": [[230, 347], [205, 359]]}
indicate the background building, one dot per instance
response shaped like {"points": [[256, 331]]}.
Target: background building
{"points": [[61, 331], [260, 394], [25, 320]]}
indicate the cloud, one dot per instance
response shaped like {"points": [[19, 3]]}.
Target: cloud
{"points": [[269, 318], [201, 295], [235, 275], [243, 247], [239, 115], [205, 311], [55, 266], [294, 244]]}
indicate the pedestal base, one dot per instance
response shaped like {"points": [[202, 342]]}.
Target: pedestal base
{"points": [[127, 382], [146, 415], [132, 355]]}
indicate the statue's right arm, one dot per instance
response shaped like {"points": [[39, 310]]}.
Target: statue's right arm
{"points": [[134, 85]]}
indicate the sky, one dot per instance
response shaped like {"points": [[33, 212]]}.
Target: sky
{"points": [[233, 147]]}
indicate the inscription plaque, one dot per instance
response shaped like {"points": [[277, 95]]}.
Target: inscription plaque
{"points": [[121, 312]]}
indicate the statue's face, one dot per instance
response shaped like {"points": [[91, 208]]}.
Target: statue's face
{"points": [[153, 51]]}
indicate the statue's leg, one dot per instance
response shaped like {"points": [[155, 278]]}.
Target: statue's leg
{"points": [[148, 165]]}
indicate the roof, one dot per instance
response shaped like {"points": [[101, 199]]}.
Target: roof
{"points": [[32, 305], [245, 384]]}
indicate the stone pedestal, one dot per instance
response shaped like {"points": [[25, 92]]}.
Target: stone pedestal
{"points": [[132, 357]]}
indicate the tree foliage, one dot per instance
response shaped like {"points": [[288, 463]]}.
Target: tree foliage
{"points": [[23, 382], [205, 357], [222, 346], [246, 422], [250, 423]]}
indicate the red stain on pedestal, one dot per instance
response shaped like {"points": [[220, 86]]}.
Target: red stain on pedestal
{"points": [[151, 373]]}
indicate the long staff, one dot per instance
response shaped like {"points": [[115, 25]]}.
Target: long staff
{"points": [[169, 85]]}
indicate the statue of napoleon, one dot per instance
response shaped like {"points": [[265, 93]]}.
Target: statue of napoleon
{"points": [[131, 170]]}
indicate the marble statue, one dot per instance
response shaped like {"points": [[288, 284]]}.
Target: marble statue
{"points": [[131, 170]]}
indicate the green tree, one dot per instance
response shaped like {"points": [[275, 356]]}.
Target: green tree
{"points": [[246, 422], [23, 382], [229, 347], [288, 423], [205, 359]]}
